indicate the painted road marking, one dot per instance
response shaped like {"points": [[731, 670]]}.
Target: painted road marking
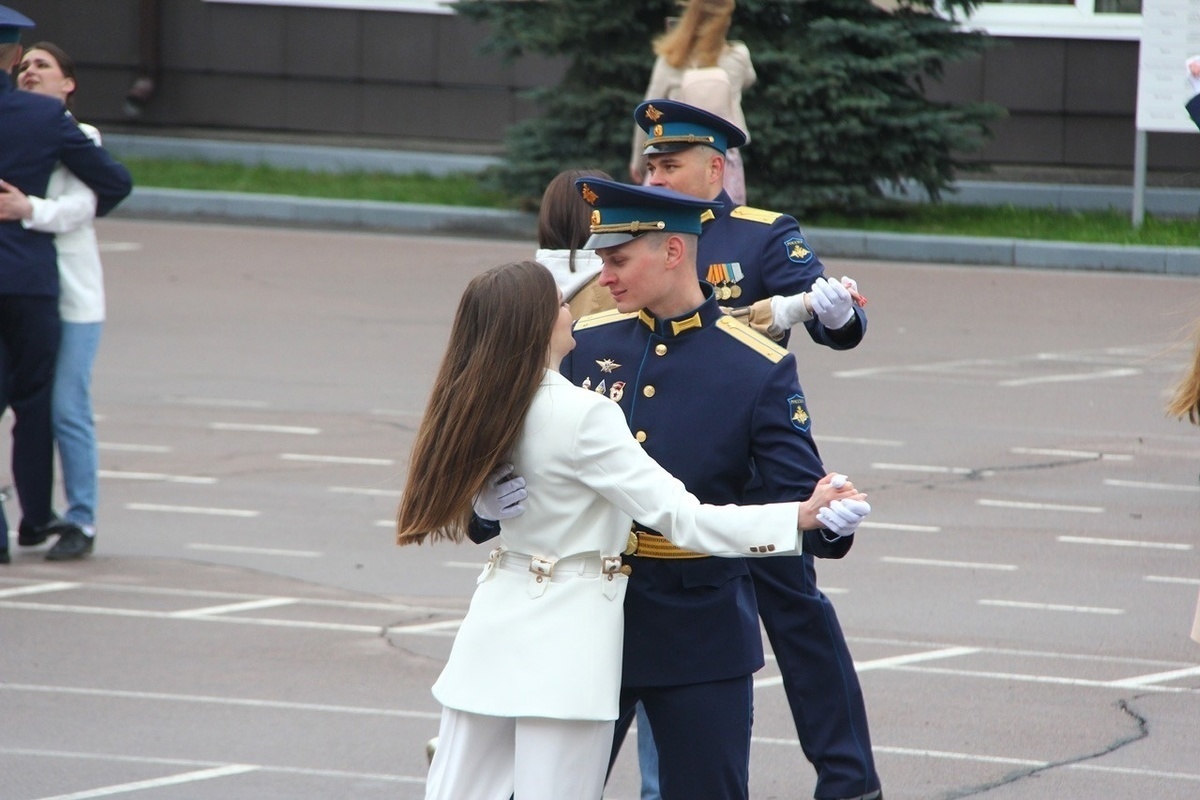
{"points": [[1082, 454], [39, 588], [930, 562], [1071, 377], [923, 468], [858, 440], [259, 551], [233, 608], [216, 512], [887, 663], [122, 447], [219, 402], [1123, 543], [111, 474], [1166, 487], [367, 492], [1051, 607], [1170, 579], [251, 428], [318, 459], [897, 526], [1038, 506], [1157, 677], [154, 783]]}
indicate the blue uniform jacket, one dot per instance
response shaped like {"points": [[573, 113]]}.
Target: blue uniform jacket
{"points": [[719, 407], [764, 253], [36, 133]]}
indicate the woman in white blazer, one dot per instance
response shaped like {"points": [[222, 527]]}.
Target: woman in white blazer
{"points": [[530, 690]]}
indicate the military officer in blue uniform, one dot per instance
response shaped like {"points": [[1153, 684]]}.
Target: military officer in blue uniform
{"points": [[720, 407], [36, 133], [751, 255]]}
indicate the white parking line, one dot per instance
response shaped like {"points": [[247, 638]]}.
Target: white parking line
{"points": [[233, 608], [133, 613], [367, 492], [251, 428], [1165, 487], [381, 462], [1082, 454], [1051, 607], [1157, 677], [1026, 506], [923, 468], [111, 474], [154, 783], [899, 526], [122, 447], [216, 512], [38, 588], [930, 562], [859, 440], [201, 699], [1123, 543], [259, 551], [886, 663], [1071, 377], [1171, 579]]}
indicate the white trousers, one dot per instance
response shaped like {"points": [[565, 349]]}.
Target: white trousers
{"points": [[530, 758]]}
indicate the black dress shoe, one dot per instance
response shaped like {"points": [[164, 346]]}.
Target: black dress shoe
{"points": [[72, 544], [32, 536]]}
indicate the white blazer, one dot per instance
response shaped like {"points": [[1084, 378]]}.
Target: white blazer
{"points": [[552, 648]]}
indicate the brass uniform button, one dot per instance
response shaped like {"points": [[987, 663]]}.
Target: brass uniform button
{"points": [[660, 349], [640, 436], [648, 391], [626, 570]]}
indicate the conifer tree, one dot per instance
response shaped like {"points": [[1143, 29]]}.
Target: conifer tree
{"points": [[838, 108]]}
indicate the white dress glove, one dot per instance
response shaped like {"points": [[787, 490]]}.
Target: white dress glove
{"points": [[832, 303], [786, 313], [842, 517], [501, 496]]}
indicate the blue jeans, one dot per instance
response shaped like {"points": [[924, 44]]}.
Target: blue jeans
{"points": [[647, 756], [74, 428]]}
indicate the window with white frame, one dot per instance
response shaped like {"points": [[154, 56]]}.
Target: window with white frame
{"points": [[1066, 19]]}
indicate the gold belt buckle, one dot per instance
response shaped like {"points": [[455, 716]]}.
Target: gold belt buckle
{"points": [[631, 545]]}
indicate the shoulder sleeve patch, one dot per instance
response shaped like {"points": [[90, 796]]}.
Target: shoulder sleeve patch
{"points": [[755, 214], [752, 339], [603, 318]]}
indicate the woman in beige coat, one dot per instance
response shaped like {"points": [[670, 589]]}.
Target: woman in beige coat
{"points": [[530, 690], [698, 40]]}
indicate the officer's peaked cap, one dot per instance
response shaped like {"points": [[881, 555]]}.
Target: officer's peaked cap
{"points": [[621, 212], [672, 126], [11, 23]]}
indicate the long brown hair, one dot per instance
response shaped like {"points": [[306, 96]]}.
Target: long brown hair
{"points": [[484, 387], [1185, 399], [564, 219], [699, 37]]}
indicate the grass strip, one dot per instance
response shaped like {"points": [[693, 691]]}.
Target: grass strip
{"points": [[464, 189]]}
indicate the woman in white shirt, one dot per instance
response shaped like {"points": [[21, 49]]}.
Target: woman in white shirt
{"points": [[530, 690], [67, 211]]}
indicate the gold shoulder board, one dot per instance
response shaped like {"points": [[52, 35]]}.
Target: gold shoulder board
{"points": [[751, 338], [603, 318], [755, 214]]}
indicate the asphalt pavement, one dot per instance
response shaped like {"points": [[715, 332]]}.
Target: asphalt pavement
{"points": [[1017, 605]]}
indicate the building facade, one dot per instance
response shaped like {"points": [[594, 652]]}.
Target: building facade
{"points": [[392, 70]]}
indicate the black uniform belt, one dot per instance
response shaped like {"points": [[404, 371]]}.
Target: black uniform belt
{"points": [[651, 545]]}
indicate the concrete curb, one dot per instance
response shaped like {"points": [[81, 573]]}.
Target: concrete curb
{"points": [[828, 242]]}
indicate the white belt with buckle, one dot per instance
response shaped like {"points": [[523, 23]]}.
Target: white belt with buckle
{"points": [[543, 570]]}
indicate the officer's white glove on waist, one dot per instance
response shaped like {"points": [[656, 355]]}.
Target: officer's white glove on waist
{"points": [[786, 313], [842, 517], [501, 496], [832, 303]]}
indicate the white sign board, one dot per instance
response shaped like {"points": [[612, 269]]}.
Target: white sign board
{"points": [[1170, 35]]}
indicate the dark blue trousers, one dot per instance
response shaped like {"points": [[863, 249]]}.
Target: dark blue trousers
{"points": [[818, 675], [29, 334], [703, 735]]}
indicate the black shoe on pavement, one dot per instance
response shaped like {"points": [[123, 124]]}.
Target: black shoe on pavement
{"points": [[71, 545], [30, 536], [4, 557]]}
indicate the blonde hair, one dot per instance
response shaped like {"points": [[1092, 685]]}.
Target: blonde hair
{"points": [[1185, 399], [699, 37], [489, 375]]}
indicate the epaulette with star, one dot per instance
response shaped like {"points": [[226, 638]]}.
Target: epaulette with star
{"points": [[751, 338], [755, 214]]}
